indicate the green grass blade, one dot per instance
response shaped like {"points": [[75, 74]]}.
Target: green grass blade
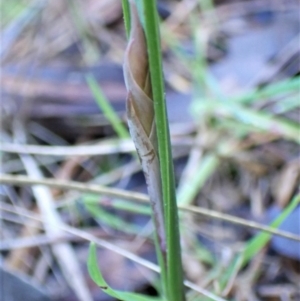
{"points": [[118, 204], [106, 107], [259, 119], [95, 274], [260, 240], [110, 219], [175, 289], [289, 104], [205, 169], [257, 243], [274, 90]]}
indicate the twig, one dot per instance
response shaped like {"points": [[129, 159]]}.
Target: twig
{"points": [[104, 148], [139, 197], [38, 240], [109, 147], [34, 241]]}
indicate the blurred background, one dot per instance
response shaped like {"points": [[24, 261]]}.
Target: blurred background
{"points": [[233, 94]]}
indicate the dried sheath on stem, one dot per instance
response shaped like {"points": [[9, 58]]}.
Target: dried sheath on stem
{"points": [[141, 121]]}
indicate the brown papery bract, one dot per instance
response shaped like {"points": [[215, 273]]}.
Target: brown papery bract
{"points": [[141, 121]]}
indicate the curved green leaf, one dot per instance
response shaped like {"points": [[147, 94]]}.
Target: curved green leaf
{"points": [[97, 277]]}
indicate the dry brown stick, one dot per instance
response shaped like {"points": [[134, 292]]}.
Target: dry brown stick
{"points": [[139, 197]]}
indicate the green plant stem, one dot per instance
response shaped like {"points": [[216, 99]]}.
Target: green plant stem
{"points": [[175, 291], [126, 14]]}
